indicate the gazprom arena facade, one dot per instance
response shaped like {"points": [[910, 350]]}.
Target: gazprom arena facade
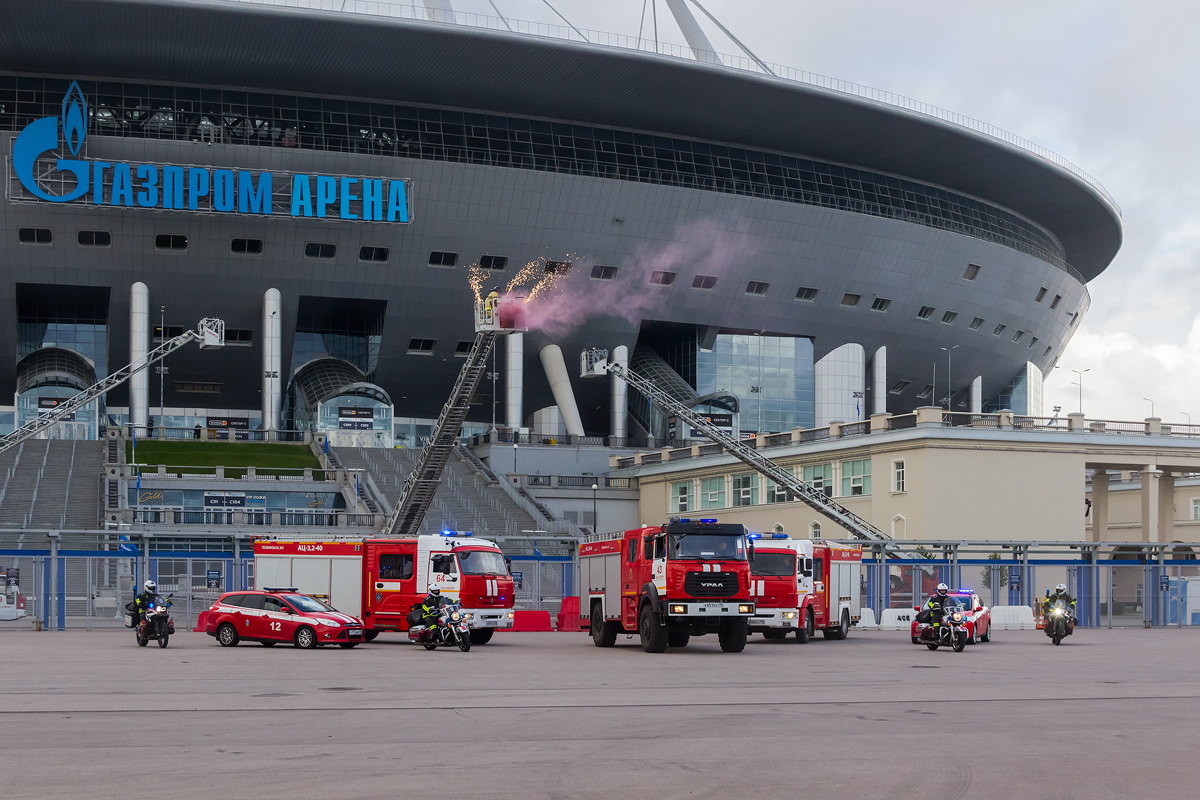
{"points": [[778, 249]]}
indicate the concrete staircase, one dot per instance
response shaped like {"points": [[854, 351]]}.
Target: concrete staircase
{"points": [[468, 498], [51, 484]]}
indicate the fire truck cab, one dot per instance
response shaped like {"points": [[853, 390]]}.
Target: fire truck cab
{"points": [[668, 583], [379, 580], [803, 585]]}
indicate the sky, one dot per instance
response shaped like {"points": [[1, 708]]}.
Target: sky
{"points": [[1108, 85]]}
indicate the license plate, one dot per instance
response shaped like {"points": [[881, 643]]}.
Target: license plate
{"points": [[492, 623], [354, 633], [709, 609]]}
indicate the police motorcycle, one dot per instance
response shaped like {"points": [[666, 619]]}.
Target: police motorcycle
{"points": [[448, 630], [951, 632], [1058, 622], [156, 623]]}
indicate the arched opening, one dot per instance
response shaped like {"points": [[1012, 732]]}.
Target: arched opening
{"points": [[814, 530], [899, 527]]}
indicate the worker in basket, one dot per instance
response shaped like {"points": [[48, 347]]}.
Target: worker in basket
{"points": [[1060, 593], [935, 608]]}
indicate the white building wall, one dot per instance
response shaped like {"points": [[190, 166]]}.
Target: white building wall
{"points": [[840, 384], [1033, 388]]}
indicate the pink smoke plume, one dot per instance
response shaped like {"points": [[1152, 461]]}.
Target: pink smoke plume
{"points": [[695, 249]]}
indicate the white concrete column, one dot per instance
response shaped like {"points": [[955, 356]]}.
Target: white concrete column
{"points": [[977, 395], [560, 385], [701, 47], [271, 359], [514, 380], [879, 384], [839, 383], [1099, 506], [619, 396], [1166, 506], [1150, 477], [139, 346]]}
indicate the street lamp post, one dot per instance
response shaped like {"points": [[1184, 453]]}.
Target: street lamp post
{"points": [[1151, 402], [949, 375], [1189, 417], [515, 460], [1080, 385], [595, 519]]}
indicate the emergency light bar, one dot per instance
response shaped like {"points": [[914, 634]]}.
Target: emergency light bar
{"points": [[280, 589], [456, 533]]}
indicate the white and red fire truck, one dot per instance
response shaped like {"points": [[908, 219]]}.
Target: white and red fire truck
{"points": [[803, 585], [379, 580], [668, 583]]}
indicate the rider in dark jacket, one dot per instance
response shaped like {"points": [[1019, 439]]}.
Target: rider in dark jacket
{"points": [[141, 604], [1060, 593], [935, 608], [430, 607]]}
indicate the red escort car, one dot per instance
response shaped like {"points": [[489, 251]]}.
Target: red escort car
{"points": [[978, 617], [280, 615]]}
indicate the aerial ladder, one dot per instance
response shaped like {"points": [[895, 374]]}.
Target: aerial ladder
{"points": [[209, 333], [492, 319], [594, 363]]}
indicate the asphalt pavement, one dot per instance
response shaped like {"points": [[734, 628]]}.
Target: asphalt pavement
{"points": [[1108, 714]]}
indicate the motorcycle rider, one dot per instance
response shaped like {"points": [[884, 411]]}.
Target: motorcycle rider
{"points": [[935, 609], [430, 607], [141, 604], [1060, 593]]}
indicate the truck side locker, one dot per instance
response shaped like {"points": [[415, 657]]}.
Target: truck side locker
{"points": [[611, 578], [629, 579], [272, 570], [346, 585], [390, 572], [313, 573]]}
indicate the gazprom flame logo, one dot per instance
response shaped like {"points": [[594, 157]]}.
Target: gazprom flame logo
{"points": [[42, 135]]}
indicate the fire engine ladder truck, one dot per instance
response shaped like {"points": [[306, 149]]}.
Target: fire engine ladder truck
{"points": [[596, 363], [422, 484], [209, 333]]}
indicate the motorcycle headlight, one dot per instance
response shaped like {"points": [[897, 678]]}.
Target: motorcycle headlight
{"points": [[455, 617], [1058, 612], [957, 617]]}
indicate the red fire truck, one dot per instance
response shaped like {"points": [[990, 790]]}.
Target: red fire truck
{"points": [[379, 580], [669, 583], [803, 585]]}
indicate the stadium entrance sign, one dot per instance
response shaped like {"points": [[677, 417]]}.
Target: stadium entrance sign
{"points": [[46, 174]]}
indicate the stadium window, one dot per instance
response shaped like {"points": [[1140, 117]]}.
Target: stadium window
{"points": [[421, 347], [1041, 295], [880, 304], [173, 331], [925, 313], [704, 282], [239, 337], [925, 392], [379, 254], [1032, 342], [850, 300], [250, 247], [999, 330], [757, 287], [602, 273], [898, 387], [463, 348], [170, 241], [1054, 303], [856, 478], [681, 496], [1048, 349], [806, 294], [198, 387], [976, 323], [558, 267], [949, 317], [35, 236], [95, 238], [441, 258], [493, 262], [1017, 336], [972, 272], [319, 250], [662, 278]]}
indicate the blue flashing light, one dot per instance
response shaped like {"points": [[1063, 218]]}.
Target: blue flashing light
{"points": [[709, 521], [780, 536], [683, 520], [754, 536], [468, 533], [280, 589], [965, 591]]}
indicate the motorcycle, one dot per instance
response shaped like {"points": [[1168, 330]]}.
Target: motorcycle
{"points": [[156, 623], [952, 631], [450, 629], [1058, 622]]}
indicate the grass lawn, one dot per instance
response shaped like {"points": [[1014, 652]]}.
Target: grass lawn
{"points": [[230, 454]]}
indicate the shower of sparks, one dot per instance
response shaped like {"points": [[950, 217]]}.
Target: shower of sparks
{"points": [[529, 283]]}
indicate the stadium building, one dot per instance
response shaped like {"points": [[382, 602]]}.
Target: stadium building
{"points": [[770, 245]]}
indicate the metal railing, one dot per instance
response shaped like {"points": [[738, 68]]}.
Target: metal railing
{"points": [[716, 60]]}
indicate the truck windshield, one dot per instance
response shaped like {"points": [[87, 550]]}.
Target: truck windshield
{"points": [[481, 562], [773, 564], [713, 546]]}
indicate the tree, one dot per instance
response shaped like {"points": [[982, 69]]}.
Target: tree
{"points": [[985, 576]]}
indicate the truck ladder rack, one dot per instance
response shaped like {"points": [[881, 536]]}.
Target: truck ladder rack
{"points": [[210, 333], [595, 362], [422, 484]]}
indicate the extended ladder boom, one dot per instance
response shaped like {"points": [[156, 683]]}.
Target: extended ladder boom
{"points": [[210, 333], [595, 362]]}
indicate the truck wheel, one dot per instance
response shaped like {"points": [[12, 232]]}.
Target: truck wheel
{"points": [[678, 637], [370, 635], [654, 636], [805, 633], [732, 634], [604, 634], [481, 635], [841, 631]]}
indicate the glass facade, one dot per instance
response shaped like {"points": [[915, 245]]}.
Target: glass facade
{"points": [[772, 377], [310, 123]]}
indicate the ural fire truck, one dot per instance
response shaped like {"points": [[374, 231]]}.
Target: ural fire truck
{"points": [[379, 580], [803, 585], [668, 583]]}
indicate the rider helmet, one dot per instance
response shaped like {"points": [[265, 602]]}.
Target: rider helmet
{"points": [[942, 589], [435, 591], [151, 586], [1060, 589]]}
